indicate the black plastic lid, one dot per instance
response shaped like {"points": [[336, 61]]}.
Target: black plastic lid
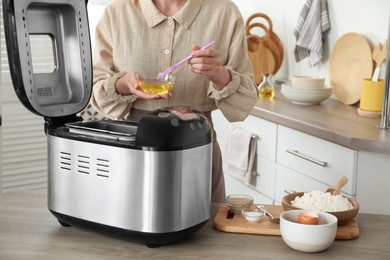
{"points": [[67, 89], [173, 128]]}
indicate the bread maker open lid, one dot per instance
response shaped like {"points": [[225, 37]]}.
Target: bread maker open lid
{"points": [[66, 89]]}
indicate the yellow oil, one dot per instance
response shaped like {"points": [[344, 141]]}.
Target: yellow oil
{"points": [[156, 87], [266, 92]]}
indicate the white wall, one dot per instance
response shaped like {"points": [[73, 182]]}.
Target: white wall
{"points": [[95, 10], [367, 17]]}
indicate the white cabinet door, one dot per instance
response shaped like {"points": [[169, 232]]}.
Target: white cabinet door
{"points": [[265, 132], [373, 183], [235, 187], [292, 181], [316, 158]]}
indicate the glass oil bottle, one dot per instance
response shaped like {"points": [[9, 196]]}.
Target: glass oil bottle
{"points": [[266, 87]]}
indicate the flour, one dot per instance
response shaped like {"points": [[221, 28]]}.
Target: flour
{"points": [[322, 201]]}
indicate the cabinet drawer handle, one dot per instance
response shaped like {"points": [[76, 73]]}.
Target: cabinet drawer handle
{"points": [[296, 153]]}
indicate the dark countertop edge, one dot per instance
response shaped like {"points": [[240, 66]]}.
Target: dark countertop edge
{"points": [[379, 141]]}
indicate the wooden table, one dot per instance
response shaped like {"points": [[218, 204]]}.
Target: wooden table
{"points": [[29, 231]]}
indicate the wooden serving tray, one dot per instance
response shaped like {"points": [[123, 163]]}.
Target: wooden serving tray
{"points": [[238, 224]]}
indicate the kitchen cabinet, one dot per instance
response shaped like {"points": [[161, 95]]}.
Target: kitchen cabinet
{"points": [[261, 186], [291, 160], [233, 186], [373, 182], [289, 180], [316, 159]]}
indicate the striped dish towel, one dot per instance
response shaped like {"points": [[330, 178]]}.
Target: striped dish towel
{"points": [[312, 23]]}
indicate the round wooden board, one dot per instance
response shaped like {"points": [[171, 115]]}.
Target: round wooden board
{"points": [[261, 58], [350, 63], [268, 43], [273, 36]]}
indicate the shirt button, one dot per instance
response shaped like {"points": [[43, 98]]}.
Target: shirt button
{"points": [[170, 22], [166, 51]]}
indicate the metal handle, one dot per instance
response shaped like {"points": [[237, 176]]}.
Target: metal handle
{"points": [[386, 98], [300, 155]]}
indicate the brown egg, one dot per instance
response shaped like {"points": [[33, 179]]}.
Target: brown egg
{"points": [[308, 218]]}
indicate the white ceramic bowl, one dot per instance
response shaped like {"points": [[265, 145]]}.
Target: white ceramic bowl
{"points": [[305, 96], [308, 81], [287, 86], [308, 238]]}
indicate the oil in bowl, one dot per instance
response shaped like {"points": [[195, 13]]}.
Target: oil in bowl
{"points": [[151, 85], [267, 92]]}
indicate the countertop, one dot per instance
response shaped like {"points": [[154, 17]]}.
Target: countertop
{"points": [[331, 121], [29, 231]]}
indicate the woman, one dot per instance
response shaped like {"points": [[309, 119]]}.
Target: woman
{"points": [[146, 37]]}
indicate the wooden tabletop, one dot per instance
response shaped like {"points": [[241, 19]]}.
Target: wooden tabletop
{"points": [[29, 231], [331, 121]]}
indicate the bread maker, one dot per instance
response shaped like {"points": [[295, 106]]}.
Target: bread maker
{"points": [[149, 182]]}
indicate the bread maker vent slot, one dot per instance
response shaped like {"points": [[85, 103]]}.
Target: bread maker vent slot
{"points": [[83, 164], [103, 167], [65, 161]]}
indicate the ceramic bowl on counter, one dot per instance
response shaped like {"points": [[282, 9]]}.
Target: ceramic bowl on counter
{"points": [[308, 82], [305, 96], [305, 237], [238, 202], [343, 217]]}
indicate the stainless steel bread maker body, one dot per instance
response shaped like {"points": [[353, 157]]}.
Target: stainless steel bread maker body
{"points": [[150, 181]]}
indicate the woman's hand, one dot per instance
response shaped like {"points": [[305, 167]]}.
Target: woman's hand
{"points": [[207, 62], [128, 85]]}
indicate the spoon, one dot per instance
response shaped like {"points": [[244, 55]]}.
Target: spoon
{"points": [[175, 66], [273, 219], [335, 189], [379, 56]]}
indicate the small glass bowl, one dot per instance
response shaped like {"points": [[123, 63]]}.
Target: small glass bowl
{"points": [[153, 86], [252, 215], [238, 202]]}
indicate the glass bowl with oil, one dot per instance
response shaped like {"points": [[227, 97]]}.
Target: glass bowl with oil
{"points": [[153, 86]]}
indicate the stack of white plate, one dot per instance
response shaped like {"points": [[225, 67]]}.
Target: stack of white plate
{"points": [[298, 92]]}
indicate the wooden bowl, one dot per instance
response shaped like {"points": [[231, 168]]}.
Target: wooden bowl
{"points": [[343, 217]]}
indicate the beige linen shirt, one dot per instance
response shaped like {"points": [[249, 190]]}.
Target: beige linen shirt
{"points": [[141, 39]]}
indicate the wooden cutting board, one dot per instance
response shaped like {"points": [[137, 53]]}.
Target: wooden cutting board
{"points": [[238, 224], [261, 57], [268, 43], [350, 63], [274, 37]]}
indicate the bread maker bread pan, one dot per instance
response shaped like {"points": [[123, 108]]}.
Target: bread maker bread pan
{"points": [[149, 182]]}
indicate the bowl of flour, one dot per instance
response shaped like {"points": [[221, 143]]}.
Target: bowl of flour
{"points": [[343, 208]]}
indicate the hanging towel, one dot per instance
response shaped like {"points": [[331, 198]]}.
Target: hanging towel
{"points": [[240, 154], [309, 31]]}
